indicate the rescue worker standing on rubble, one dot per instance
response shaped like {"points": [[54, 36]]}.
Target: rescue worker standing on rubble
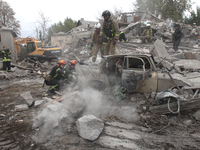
{"points": [[53, 79], [147, 33], [195, 31], [98, 44], [177, 36], [110, 30], [6, 54], [68, 72]]}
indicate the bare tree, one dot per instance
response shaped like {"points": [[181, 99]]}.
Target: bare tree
{"points": [[114, 14], [7, 16], [42, 27]]}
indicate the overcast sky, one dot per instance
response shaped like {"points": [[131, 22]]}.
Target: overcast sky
{"points": [[27, 12]]}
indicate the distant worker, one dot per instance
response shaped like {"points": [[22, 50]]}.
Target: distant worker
{"points": [[98, 44], [53, 79], [147, 33], [110, 30], [6, 55], [122, 37], [177, 36], [68, 72], [195, 31]]}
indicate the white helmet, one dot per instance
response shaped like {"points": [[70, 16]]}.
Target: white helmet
{"points": [[97, 25], [148, 25]]}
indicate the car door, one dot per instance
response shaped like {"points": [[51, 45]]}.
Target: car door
{"points": [[138, 76]]}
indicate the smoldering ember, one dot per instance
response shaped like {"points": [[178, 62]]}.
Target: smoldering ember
{"points": [[151, 100]]}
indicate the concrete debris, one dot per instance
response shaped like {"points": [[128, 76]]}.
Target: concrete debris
{"points": [[196, 115], [22, 107], [75, 104], [3, 75], [52, 116], [38, 103], [192, 65], [89, 127], [160, 50], [116, 143], [187, 122], [26, 98], [168, 65]]}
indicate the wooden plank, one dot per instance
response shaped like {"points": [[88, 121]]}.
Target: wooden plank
{"points": [[185, 105], [60, 98], [195, 94], [190, 88], [20, 67]]}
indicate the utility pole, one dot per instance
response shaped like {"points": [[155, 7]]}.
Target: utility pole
{"points": [[37, 33], [40, 35]]}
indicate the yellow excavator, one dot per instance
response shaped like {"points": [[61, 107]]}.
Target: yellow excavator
{"points": [[32, 48]]}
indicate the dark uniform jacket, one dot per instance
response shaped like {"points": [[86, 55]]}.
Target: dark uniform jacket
{"points": [[6, 55], [110, 29], [56, 73], [178, 34], [68, 75]]}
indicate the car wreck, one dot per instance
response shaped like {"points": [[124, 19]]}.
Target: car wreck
{"points": [[136, 73]]}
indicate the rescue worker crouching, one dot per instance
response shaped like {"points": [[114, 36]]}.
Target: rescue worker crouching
{"points": [[110, 29], [54, 78], [68, 72], [147, 33], [6, 54], [98, 43]]}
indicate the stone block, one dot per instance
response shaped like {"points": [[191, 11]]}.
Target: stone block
{"points": [[89, 127], [22, 107], [26, 98]]}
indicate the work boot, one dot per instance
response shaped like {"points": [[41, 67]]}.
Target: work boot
{"points": [[50, 93]]}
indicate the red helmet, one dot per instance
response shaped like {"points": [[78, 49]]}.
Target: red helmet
{"points": [[61, 62], [73, 62]]}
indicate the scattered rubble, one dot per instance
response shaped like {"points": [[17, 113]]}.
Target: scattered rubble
{"points": [[166, 105], [21, 107]]}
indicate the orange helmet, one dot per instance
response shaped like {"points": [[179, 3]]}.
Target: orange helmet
{"points": [[73, 62], [61, 62]]}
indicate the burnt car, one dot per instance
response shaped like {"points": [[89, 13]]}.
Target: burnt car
{"points": [[136, 73]]}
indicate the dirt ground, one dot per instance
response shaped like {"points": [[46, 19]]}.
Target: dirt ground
{"points": [[138, 130]]}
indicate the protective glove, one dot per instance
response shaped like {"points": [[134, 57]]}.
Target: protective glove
{"points": [[114, 42]]}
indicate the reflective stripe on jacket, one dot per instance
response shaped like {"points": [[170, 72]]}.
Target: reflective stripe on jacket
{"points": [[6, 55], [147, 32], [56, 73]]}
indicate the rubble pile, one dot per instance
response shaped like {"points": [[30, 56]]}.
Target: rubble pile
{"points": [[168, 83], [162, 29]]}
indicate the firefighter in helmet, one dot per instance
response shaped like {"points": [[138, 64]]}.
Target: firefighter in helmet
{"points": [[68, 72], [110, 30], [6, 54], [147, 33], [98, 43], [54, 78]]}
